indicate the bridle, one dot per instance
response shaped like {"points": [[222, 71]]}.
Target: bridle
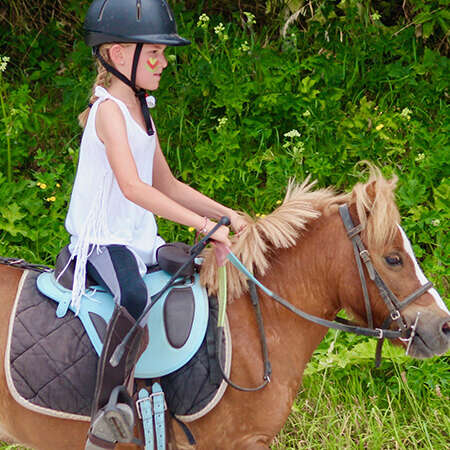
{"points": [[362, 256], [392, 303]]}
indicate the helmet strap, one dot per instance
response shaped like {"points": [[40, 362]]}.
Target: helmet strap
{"points": [[140, 93]]}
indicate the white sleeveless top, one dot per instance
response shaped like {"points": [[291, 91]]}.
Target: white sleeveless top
{"points": [[99, 213]]}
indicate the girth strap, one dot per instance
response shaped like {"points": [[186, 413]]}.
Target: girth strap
{"points": [[151, 408]]}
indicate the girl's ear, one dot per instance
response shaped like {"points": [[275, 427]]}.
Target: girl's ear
{"points": [[116, 55]]}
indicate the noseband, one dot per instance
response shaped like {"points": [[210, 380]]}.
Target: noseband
{"points": [[392, 303]]}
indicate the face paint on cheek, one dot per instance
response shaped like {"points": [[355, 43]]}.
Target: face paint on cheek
{"points": [[152, 64]]}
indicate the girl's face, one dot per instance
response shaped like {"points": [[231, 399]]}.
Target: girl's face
{"points": [[151, 64]]}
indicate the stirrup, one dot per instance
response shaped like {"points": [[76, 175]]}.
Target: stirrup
{"points": [[113, 423]]}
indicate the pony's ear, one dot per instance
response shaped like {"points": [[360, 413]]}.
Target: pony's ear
{"points": [[371, 190]]}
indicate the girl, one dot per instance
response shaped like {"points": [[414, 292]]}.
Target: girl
{"points": [[122, 180]]}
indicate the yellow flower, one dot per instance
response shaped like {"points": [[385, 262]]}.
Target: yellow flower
{"points": [[191, 229], [51, 199], [58, 185], [379, 127], [278, 202]]}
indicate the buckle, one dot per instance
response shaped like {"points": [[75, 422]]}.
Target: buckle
{"points": [[150, 399], [395, 315], [365, 255], [155, 394], [380, 333], [139, 402]]}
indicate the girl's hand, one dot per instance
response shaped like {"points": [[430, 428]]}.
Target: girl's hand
{"points": [[221, 235], [238, 223]]}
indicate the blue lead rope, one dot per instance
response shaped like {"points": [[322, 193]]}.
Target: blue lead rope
{"points": [[236, 263]]}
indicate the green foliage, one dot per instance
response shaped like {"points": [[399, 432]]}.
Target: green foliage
{"points": [[239, 113], [314, 103]]}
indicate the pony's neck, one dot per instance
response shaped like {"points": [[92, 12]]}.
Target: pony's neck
{"points": [[308, 276]]}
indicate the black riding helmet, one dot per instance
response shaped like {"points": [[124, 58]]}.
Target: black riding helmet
{"points": [[144, 21], [137, 21]]}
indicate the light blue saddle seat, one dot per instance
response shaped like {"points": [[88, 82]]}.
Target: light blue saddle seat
{"points": [[161, 357]]}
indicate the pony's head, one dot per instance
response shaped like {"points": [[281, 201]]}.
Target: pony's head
{"points": [[313, 214], [373, 206]]}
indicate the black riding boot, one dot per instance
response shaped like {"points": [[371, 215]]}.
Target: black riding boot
{"points": [[112, 416]]}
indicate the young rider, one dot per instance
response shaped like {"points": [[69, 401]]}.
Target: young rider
{"points": [[123, 179]]}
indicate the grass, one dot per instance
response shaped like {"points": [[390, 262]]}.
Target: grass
{"points": [[344, 416], [359, 407]]}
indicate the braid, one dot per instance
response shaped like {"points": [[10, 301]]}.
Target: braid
{"points": [[103, 79]]}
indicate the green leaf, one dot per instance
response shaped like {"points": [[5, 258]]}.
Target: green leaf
{"points": [[12, 213]]}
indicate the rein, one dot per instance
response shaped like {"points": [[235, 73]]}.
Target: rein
{"points": [[404, 332], [22, 264]]}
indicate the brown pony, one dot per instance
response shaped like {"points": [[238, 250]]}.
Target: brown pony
{"points": [[300, 251]]}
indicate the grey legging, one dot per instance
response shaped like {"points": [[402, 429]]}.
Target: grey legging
{"points": [[115, 268]]}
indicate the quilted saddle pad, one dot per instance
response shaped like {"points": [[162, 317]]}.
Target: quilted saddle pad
{"points": [[51, 363]]}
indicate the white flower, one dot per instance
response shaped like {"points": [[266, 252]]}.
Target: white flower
{"points": [[203, 21], [292, 134], [420, 157], [4, 60], [250, 18], [435, 222], [244, 47], [222, 122], [406, 113], [219, 28], [306, 114]]}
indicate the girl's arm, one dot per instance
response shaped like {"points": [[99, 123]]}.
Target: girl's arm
{"points": [[183, 194], [111, 129]]}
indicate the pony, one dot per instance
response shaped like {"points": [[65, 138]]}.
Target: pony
{"points": [[302, 252]]}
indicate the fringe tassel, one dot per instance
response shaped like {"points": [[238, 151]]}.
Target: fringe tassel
{"points": [[89, 240]]}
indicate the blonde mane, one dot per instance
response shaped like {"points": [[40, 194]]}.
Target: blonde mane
{"points": [[282, 228]]}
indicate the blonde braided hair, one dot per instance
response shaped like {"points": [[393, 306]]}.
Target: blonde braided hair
{"points": [[103, 79]]}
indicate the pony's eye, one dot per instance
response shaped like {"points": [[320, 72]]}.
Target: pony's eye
{"points": [[393, 260]]}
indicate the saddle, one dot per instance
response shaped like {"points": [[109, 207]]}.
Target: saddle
{"points": [[177, 322], [52, 361]]}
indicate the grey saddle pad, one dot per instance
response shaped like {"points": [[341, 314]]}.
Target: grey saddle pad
{"points": [[53, 364]]}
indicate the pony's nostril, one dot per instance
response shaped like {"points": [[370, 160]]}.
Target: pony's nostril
{"points": [[446, 328]]}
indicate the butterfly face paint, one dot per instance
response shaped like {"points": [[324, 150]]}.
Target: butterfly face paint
{"points": [[152, 64]]}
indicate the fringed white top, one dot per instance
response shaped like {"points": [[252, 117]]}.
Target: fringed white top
{"points": [[99, 213]]}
